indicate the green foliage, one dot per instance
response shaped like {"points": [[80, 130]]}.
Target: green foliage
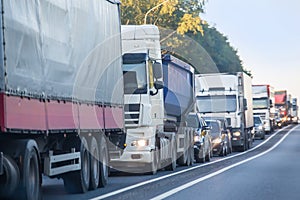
{"points": [[218, 47], [180, 15], [184, 33]]}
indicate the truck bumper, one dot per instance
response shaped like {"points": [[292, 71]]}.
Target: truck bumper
{"points": [[1, 163], [132, 161]]}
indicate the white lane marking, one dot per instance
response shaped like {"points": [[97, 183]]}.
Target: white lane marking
{"points": [[190, 184], [182, 171]]}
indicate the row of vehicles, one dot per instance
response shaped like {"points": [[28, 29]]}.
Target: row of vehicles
{"points": [[286, 108], [79, 95]]}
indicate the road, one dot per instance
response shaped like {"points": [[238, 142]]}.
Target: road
{"points": [[269, 170]]}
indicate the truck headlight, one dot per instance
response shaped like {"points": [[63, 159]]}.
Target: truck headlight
{"points": [[140, 143], [260, 127], [236, 134]]}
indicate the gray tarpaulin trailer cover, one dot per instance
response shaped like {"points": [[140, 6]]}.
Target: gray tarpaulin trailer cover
{"points": [[52, 51]]}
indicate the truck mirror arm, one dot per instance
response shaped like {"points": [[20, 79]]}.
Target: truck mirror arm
{"points": [[157, 85], [153, 93]]}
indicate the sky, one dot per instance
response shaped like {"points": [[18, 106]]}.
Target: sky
{"points": [[266, 34]]}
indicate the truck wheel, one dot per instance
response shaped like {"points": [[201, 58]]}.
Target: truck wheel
{"points": [[30, 184], [103, 162], [191, 155], [182, 160], [10, 179], [208, 156], [78, 181], [200, 158], [95, 169], [151, 168], [172, 165]]}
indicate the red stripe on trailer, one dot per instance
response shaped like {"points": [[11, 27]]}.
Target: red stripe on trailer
{"points": [[2, 111], [24, 113], [114, 118], [62, 115], [100, 116], [88, 117]]}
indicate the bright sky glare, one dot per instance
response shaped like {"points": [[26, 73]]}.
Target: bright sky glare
{"points": [[266, 34]]}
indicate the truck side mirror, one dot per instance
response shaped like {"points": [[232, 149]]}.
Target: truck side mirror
{"points": [[157, 70], [245, 104], [271, 103], [159, 85]]}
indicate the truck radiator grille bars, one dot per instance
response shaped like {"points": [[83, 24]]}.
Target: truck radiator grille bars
{"points": [[132, 115]]}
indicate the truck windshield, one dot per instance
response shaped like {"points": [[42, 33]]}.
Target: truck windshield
{"points": [[261, 103], [135, 81], [217, 103], [257, 121]]}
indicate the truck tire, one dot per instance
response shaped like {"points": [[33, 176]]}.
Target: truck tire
{"points": [[208, 156], [191, 155], [200, 158], [151, 168], [103, 162], [95, 164], [172, 165], [78, 181], [184, 158], [30, 184], [10, 179]]}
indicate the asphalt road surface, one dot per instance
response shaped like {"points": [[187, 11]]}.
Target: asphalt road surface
{"points": [[269, 170]]}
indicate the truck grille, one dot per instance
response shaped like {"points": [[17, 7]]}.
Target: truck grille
{"points": [[132, 115], [262, 115]]}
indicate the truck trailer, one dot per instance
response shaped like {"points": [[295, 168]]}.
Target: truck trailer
{"points": [[264, 105], [228, 95], [159, 93], [61, 94], [295, 108], [282, 105]]}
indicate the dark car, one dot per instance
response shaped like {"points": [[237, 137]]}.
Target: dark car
{"points": [[258, 129], [202, 137], [219, 137], [226, 130]]}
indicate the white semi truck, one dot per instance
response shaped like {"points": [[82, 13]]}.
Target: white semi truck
{"points": [[156, 103], [264, 105], [228, 95]]}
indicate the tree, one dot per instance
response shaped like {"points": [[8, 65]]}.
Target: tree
{"points": [[218, 47], [179, 15], [184, 34]]}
